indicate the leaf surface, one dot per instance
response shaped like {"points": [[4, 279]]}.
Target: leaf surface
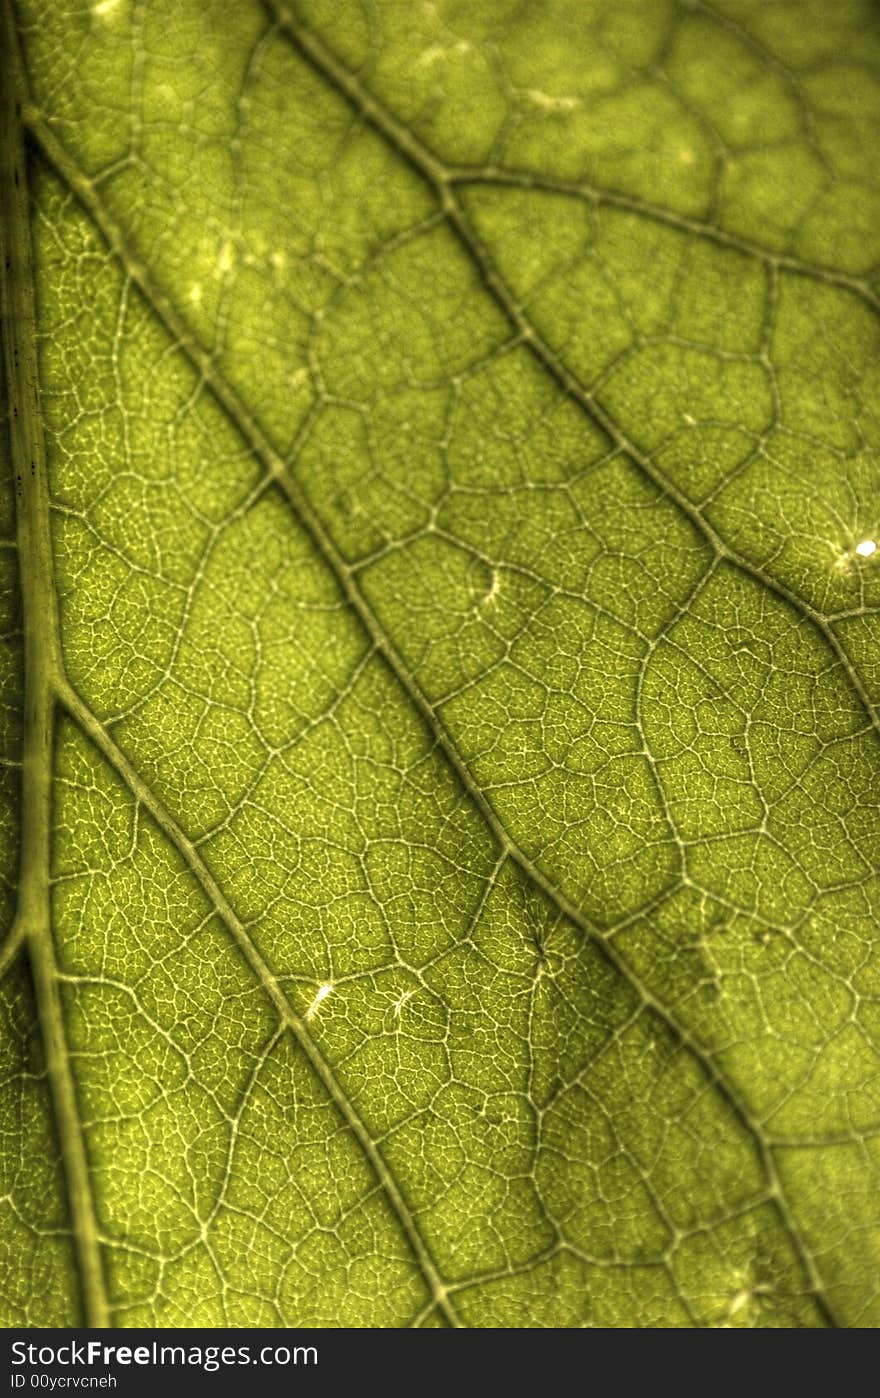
{"points": [[440, 824]]}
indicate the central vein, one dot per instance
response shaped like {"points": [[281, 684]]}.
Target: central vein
{"points": [[42, 670]]}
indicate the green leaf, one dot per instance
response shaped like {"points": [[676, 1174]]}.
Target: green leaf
{"points": [[440, 746]]}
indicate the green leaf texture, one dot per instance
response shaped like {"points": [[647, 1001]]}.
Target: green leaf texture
{"points": [[440, 820]]}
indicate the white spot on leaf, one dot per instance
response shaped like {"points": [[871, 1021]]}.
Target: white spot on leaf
{"points": [[490, 596], [865, 548], [401, 1001], [321, 995], [548, 103], [225, 258], [437, 52]]}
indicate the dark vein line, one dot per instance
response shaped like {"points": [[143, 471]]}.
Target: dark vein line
{"points": [[273, 464], [598, 197], [33, 918], [434, 174], [98, 735], [227, 397]]}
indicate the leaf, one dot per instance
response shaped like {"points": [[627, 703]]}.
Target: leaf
{"points": [[441, 749]]}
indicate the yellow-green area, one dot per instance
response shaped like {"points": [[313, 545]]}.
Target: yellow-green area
{"points": [[462, 452]]}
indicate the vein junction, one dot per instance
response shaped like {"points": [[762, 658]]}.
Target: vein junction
{"points": [[47, 680]]}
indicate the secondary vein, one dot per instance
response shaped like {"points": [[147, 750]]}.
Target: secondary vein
{"points": [[441, 182], [95, 731], [598, 197], [245, 423]]}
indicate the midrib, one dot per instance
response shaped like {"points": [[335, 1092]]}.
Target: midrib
{"points": [[42, 667]]}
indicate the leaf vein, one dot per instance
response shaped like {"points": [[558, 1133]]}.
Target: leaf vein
{"points": [[239, 415], [98, 735]]}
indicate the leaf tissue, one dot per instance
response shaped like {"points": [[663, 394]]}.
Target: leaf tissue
{"points": [[440, 780]]}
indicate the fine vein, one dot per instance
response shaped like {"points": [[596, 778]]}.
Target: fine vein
{"points": [[437, 177], [441, 181], [599, 197], [265, 976], [241, 417]]}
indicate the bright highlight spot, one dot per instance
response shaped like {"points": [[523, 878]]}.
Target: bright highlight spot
{"points": [[866, 548], [225, 258], [428, 57], [401, 1001], [490, 596], [105, 8], [323, 992], [550, 103]]}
